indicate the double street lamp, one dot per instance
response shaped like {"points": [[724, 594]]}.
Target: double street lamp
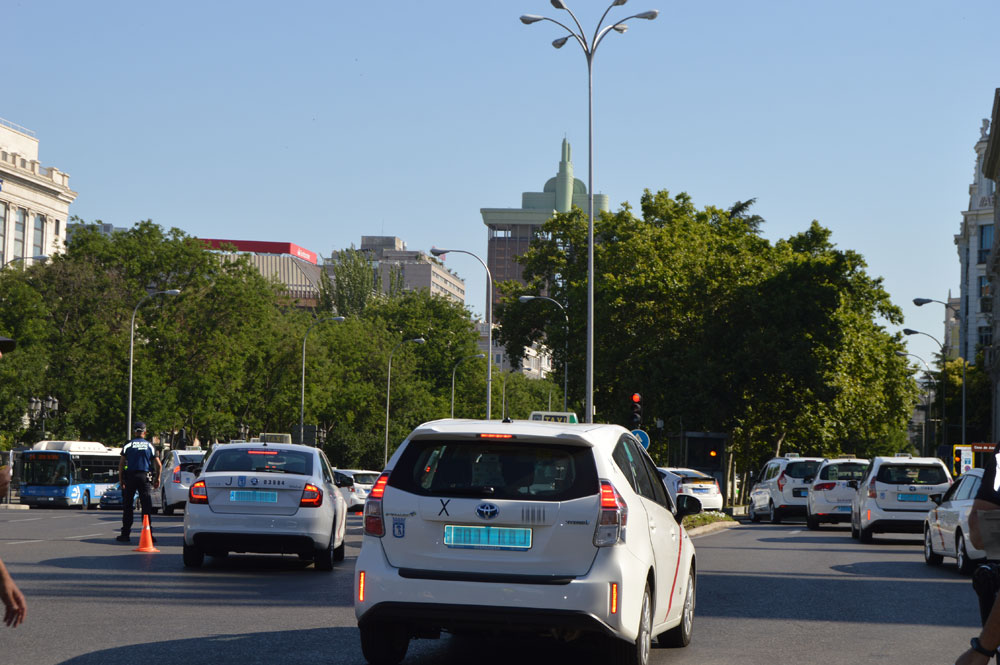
{"points": [[302, 408], [437, 251], [944, 404], [42, 408], [388, 385], [589, 49], [566, 351], [131, 348], [930, 377], [453, 370], [920, 302]]}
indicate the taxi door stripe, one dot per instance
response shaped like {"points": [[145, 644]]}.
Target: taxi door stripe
{"points": [[677, 570]]}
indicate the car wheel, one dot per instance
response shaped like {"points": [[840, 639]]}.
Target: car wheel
{"points": [[86, 501], [962, 560], [812, 522], [865, 535], [193, 556], [167, 508], [930, 558], [854, 528], [680, 635], [754, 517], [773, 513], [636, 653], [383, 644], [324, 557], [340, 551]]}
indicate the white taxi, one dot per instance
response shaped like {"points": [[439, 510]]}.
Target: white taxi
{"points": [[831, 493], [894, 496], [550, 528], [265, 498], [180, 468]]}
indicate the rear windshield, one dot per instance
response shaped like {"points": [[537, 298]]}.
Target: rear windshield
{"points": [[802, 469], [912, 474], [365, 478], [687, 475], [844, 471], [488, 469], [190, 459], [262, 460]]}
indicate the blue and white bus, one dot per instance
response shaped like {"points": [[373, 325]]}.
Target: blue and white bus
{"points": [[67, 473]]}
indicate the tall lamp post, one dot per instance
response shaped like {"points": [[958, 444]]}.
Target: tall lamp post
{"points": [[930, 377], [453, 370], [436, 251], [589, 49], [36, 257], [302, 408], [944, 415], [388, 384], [131, 348], [920, 302], [566, 352], [42, 408]]}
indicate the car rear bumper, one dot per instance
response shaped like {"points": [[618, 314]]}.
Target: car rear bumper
{"points": [[265, 543], [254, 533], [708, 501]]}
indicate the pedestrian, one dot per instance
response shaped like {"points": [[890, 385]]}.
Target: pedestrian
{"points": [[984, 646], [15, 608], [137, 460]]}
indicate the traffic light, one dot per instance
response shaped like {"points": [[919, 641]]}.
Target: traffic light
{"points": [[635, 419]]}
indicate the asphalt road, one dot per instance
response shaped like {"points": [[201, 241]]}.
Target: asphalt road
{"points": [[766, 594]]}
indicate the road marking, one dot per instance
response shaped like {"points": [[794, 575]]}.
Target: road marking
{"points": [[27, 519], [21, 542], [89, 535], [60, 517]]}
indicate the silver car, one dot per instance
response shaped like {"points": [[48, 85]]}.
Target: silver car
{"points": [[946, 527]]}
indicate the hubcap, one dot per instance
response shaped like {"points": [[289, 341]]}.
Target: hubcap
{"points": [[644, 628], [960, 552], [928, 550], [689, 607]]}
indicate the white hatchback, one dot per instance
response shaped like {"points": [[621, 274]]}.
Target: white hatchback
{"points": [[522, 525], [700, 485], [268, 498], [355, 484], [894, 496], [831, 493], [946, 527], [180, 469]]}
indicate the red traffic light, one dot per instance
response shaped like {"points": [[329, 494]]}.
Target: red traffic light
{"points": [[636, 398]]}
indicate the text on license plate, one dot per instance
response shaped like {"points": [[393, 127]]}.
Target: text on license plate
{"points": [[911, 497], [801, 492], [254, 496], [487, 537]]}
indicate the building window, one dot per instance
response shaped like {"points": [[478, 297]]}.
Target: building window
{"points": [[38, 245], [3, 232], [985, 242], [57, 229], [20, 216], [985, 337]]}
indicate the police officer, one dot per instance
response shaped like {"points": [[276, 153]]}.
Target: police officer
{"points": [[137, 460]]}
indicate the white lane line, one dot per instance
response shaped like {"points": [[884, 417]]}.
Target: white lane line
{"points": [[27, 519], [60, 517], [89, 535], [21, 542]]}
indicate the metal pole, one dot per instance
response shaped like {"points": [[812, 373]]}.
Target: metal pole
{"points": [[131, 349], [388, 386], [453, 370], [589, 380], [302, 408]]}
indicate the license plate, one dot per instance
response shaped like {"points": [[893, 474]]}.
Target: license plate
{"points": [[842, 509], [801, 492], [700, 490], [912, 497], [487, 537], [253, 496]]}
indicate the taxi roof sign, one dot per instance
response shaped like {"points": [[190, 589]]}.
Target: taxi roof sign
{"points": [[554, 416]]}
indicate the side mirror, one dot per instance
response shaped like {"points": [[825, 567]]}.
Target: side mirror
{"points": [[343, 481], [853, 484], [62, 480], [687, 505], [936, 498]]}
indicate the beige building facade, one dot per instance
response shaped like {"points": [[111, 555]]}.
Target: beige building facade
{"points": [[34, 199], [416, 269]]}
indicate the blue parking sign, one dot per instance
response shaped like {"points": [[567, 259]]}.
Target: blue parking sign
{"points": [[643, 438]]}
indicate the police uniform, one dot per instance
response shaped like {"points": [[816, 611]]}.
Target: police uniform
{"points": [[139, 457]]}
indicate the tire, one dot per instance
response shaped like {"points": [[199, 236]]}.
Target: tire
{"points": [[193, 556], [754, 517], [86, 501], [383, 644], [773, 513], [636, 653], [167, 508], [865, 535], [854, 530], [930, 558], [812, 523], [962, 560], [340, 551], [324, 557], [680, 635]]}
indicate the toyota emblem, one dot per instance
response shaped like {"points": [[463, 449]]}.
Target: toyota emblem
{"points": [[487, 511]]}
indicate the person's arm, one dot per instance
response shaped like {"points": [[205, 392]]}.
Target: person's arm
{"points": [[121, 470], [15, 608], [159, 470]]}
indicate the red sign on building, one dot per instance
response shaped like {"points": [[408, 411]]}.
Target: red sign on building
{"points": [[264, 247]]}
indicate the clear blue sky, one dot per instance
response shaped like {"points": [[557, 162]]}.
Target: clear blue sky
{"points": [[317, 122]]}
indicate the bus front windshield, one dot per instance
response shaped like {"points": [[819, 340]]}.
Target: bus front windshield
{"points": [[46, 469]]}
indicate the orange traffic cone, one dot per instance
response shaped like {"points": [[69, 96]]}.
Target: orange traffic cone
{"points": [[146, 539]]}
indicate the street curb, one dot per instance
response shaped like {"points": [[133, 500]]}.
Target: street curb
{"points": [[13, 506], [711, 528]]}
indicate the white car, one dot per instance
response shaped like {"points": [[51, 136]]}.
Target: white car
{"points": [[946, 527], [830, 496], [180, 469], [700, 485], [265, 497], [522, 525], [894, 495], [355, 484], [782, 487]]}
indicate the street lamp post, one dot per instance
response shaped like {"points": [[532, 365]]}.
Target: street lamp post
{"points": [[131, 348], [36, 257], [920, 302], [930, 377], [42, 408], [566, 351], [388, 384], [944, 404], [589, 49], [302, 409], [436, 251], [453, 370]]}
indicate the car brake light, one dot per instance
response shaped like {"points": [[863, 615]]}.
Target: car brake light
{"points": [[871, 489], [374, 525], [781, 482], [490, 435], [177, 475], [312, 497], [198, 493], [822, 487], [612, 518]]}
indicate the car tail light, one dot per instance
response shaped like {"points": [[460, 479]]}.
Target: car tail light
{"points": [[871, 489], [374, 524], [822, 487], [718, 490], [613, 516], [177, 475], [198, 493], [312, 497], [781, 482]]}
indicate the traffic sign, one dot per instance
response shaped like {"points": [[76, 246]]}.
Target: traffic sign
{"points": [[643, 438]]}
